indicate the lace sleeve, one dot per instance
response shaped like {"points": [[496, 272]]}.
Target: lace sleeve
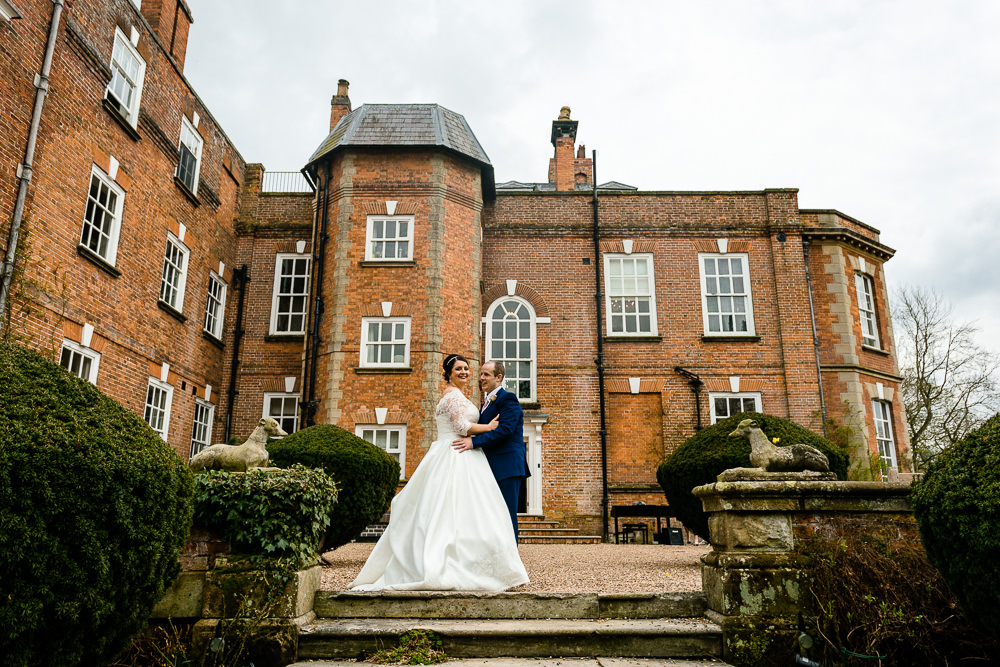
{"points": [[453, 404]]}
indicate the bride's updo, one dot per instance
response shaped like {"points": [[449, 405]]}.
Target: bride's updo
{"points": [[449, 363]]}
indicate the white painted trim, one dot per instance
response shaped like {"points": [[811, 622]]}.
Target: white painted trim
{"points": [[290, 384], [734, 384], [511, 287], [390, 207], [380, 414], [386, 308], [363, 347], [703, 282], [633, 385]]}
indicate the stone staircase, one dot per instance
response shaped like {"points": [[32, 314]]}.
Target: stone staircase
{"points": [[514, 625], [534, 529]]}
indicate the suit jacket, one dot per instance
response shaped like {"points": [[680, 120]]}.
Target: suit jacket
{"points": [[504, 445]]}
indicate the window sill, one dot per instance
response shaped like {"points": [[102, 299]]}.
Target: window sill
{"points": [[284, 338], [187, 191], [531, 405], [394, 370], [706, 338], [633, 339], [875, 350], [369, 263], [171, 311], [97, 260], [213, 340], [110, 107]]}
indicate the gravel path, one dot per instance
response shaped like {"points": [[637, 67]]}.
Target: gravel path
{"points": [[570, 568]]}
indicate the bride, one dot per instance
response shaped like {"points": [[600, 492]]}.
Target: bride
{"points": [[449, 528]]}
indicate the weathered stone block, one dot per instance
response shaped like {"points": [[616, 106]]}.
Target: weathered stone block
{"points": [[764, 532], [183, 599], [233, 584]]}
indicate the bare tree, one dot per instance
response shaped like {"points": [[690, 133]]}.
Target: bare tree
{"points": [[950, 383]]}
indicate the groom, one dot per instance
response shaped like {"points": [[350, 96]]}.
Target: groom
{"points": [[504, 445]]}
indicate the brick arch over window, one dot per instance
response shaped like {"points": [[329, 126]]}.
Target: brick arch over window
{"points": [[511, 337], [382, 208], [499, 291]]}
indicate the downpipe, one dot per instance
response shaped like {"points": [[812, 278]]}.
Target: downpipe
{"points": [[41, 90]]}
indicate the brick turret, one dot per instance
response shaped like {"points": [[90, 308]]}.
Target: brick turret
{"points": [[565, 170], [340, 105]]}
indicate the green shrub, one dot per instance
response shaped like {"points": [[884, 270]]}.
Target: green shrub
{"points": [[366, 476], [957, 506], [279, 513], [94, 511], [711, 450]]}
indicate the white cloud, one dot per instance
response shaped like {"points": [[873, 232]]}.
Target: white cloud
{"points": [[884, 109]]}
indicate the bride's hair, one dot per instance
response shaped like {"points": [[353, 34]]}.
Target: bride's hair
{"points": [[449, 363]]}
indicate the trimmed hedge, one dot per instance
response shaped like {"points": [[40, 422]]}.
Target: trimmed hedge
{"points": [[957, 507], [273, 513], [711, 450], [94, 511], [366, 476]]}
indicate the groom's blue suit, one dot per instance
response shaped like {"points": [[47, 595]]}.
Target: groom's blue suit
{"points": [[504, 448]]}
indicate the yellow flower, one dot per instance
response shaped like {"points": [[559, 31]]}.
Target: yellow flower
{"points": [[775, 440]]}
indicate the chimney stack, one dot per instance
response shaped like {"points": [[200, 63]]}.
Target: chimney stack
{"points": [[340, 105], [565, 169]]}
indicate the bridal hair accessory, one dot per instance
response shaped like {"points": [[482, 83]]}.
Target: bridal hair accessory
{"points": [[449, 360]]}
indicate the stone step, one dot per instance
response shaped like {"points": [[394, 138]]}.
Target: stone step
{"points": [[560, 539], [547, 530], [527, 525], [465, 638], [541, 662], [465, 605]]}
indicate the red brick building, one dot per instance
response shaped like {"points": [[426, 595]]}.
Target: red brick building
{"points": [[118, 219], [204, 292]]}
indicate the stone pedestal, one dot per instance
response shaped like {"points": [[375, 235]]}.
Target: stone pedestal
{"points": [[216, 587], [754, 578]]}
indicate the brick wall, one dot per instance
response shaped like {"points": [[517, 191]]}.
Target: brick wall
{"points": [[119, 299]]}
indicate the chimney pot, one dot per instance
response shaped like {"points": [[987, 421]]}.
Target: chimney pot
{"points": [[340, 105], [564, 113]]}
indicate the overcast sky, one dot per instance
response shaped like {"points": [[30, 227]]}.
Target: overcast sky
{"points": [[888, 111]]}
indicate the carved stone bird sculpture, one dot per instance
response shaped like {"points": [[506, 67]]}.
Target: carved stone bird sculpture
{"points": [[767, 456]]}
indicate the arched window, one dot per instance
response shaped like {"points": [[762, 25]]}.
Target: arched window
{"points": [[510, 338]]}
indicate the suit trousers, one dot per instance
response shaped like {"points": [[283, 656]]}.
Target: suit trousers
{"points": [[511, 490]]}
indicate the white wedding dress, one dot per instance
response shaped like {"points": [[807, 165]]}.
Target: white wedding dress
{"points": [[449, 528]]}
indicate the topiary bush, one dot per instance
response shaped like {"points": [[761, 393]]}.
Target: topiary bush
{"points": [[273, 513], [711, 450], [94, 511], [957, 507], [366, 476]]}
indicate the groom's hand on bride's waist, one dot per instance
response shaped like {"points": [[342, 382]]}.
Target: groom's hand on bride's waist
{"points": [[462, 444]]}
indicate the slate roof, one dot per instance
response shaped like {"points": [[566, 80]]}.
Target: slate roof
{"points": [[518, 186], [403, 125]]}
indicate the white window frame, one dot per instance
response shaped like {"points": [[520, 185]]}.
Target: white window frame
{"points": [[283, 417], [864, 285], [75, 351], [742, 395], [156, 385], [277, 294], [884, 440], [206, 411], [217, 298], [394, 324], [621, 291], [387, 430], [513, 379], [194, 145], [8, 12], [745, 294], [108, 227], [177, 269], [123, 44], [376, 245]]}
